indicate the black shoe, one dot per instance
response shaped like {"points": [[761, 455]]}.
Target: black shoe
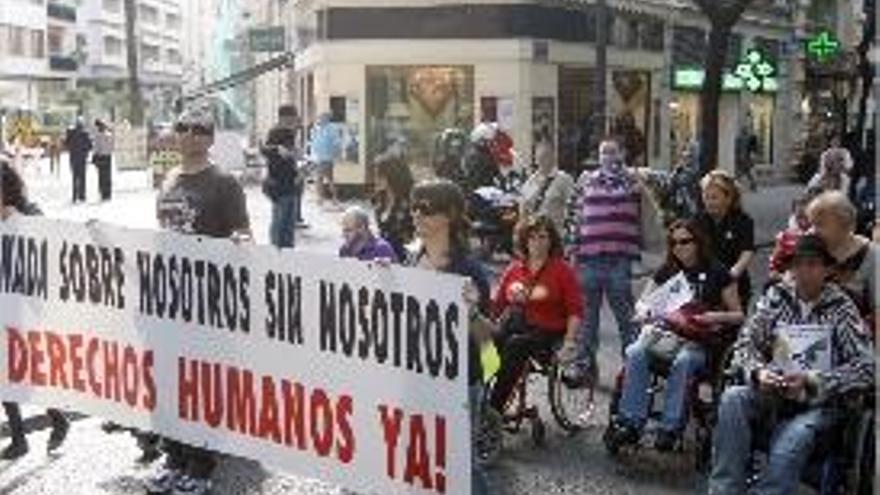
{"points": [[109, 427], [623, 434], [665, 441], [14, 450], [148, 455], [56, 438]]}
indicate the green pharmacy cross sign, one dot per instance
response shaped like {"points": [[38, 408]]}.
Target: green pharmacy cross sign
{"points": [[755, 71], [823, 46]]}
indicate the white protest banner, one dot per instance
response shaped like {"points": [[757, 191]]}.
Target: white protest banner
{"points": [[330, 368]]}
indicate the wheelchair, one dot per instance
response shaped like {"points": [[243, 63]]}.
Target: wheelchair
{"points": [[843, 458], [702, 397], [571, 405]]}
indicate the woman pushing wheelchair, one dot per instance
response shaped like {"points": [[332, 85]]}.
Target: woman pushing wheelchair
{"points": [[689, 307]]}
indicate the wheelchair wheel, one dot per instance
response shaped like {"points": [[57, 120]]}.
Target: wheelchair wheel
{"points": [[490, 437], [572, 404]]}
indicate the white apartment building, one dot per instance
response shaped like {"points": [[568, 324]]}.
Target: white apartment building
{"points": [[160, 35], [23, 52]]}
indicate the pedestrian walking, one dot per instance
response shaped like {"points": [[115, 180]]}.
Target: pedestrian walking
{"points": [[13, 201], [280, 185], [102, 157], [326, 148], [359, 241], [199, 199], [394, 184], [745, 148], [78, 146], [731, 231], [548, 190], [604, 238], [54, 151]]}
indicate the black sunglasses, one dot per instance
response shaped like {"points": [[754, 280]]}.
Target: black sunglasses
{"points": [[424, 208], [197, 129], [682, 242]]}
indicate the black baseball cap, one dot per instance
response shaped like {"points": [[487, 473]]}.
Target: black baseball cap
{"points": [[812, 246]]}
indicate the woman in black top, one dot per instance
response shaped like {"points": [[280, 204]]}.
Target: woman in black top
{"points": [[715, 292], [438, 211], [13, 201], [394, 183], [730, 230]]}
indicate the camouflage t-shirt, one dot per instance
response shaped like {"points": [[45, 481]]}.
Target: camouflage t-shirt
{"points": [[209, 203]]}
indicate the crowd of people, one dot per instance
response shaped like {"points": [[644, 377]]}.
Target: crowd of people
{"points": [[576, 244]]}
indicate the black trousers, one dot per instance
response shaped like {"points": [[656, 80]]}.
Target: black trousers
{"points": [[78, 172], [16, 424], [515, 351], [196, 462], [104, 164]]}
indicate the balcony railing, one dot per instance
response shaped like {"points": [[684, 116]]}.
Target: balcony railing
{"points": [[62, 63], [61, 11]]}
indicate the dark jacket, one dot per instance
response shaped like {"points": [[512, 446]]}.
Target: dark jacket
{"points": [[281, 154], [78, 143]]}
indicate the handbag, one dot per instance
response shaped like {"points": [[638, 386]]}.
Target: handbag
{"points": [[513, 321], [662, 344]]}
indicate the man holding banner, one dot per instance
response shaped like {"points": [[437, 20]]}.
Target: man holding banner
{"points": [[196, 199]]}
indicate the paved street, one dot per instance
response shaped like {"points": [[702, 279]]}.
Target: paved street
{"points": [[94, 463]]}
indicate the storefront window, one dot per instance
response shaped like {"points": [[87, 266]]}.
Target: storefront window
{"points": [[409, 106]]}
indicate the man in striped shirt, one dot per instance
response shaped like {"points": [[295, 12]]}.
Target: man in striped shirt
{"points": [[604, 238]]}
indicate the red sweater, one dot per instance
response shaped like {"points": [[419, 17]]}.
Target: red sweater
{"points": [[555, 296]]}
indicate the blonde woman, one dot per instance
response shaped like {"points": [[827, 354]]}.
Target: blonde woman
{"points": [[730, 230]]}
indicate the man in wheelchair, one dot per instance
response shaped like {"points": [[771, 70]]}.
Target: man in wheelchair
{"points": [[801, 352]]}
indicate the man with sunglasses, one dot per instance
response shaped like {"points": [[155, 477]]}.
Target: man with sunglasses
{"points": [[198, 199]]}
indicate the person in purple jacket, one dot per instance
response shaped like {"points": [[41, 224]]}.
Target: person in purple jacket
{"points": [[360, 242]]}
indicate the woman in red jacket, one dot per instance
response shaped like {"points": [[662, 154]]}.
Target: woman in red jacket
{"points": [[543, 291]]}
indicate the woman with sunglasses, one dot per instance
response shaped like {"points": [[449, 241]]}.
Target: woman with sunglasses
{"points": [[544, 290], [730, 230], [716, 293], [438, 211]]}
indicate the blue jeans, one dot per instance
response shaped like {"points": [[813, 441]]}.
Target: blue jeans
{"points": [[635, 400], [791, 444], [283, 224], [611, 275]]}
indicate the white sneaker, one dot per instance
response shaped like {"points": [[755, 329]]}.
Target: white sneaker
{"points": [[162, 482], [187, 485]]}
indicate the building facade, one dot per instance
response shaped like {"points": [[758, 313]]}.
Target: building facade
{"points": [[38, 47], [405, 70], [160, 42]]}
